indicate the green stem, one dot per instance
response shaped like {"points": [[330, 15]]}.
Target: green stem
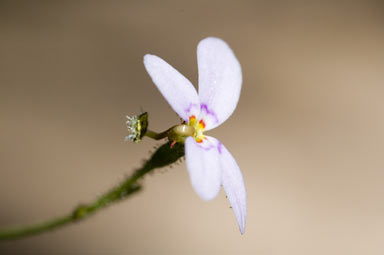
{"points": [[34, 229], [163, 156], [157, 136]]}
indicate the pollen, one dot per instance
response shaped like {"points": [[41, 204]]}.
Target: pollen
{"points": [[199, 128], [192, 121], [201, 124]]}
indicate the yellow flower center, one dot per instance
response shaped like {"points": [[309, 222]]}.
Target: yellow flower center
{"points": [[199, 127]]}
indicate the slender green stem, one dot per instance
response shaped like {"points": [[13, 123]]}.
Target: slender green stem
{"points": [[157, 136], [163, 156], [34, 229]]}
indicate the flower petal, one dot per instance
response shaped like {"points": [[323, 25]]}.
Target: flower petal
{"points": [[177, 90], [219, 80], [203, 166], [233, 185]]}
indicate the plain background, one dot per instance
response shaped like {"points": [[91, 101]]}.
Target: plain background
{"points": [[308, 131]]}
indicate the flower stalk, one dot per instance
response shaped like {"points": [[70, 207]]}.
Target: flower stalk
{"points": [[163, 156], [157, 136]]}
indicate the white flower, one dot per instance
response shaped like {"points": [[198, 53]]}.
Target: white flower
{"points": [[209, 163]]}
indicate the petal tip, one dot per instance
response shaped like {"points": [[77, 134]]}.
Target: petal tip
{"points": [[212, 39], [210, 43], [147, 58], [242, 229], [207, 196]]}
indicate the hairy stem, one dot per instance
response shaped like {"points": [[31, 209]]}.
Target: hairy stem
{"points": [[163, 156]]}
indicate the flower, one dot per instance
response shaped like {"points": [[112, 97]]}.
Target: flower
{"points": [[209, 163]]}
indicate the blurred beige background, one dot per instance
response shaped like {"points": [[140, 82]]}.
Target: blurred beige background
{"points": [[308, 132]]}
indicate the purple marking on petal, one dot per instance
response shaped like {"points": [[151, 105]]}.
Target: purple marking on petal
{"points": [[209, 112], [206, 148], [188, 110], [219, 147]]}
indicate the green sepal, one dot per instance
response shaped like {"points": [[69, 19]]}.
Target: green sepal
{"points": [[142, 125]]}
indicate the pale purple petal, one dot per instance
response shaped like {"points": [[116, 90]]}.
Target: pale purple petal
{"points": [[219, 81], [233, 185], [177, 90], [203, 166]]}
